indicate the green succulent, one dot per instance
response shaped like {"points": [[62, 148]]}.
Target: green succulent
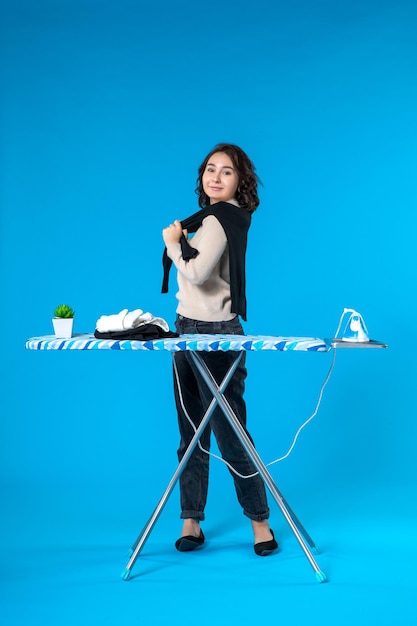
{"points": [[63, 310]]}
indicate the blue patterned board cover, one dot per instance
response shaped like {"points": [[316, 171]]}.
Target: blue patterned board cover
{"points": [[196, 343]]}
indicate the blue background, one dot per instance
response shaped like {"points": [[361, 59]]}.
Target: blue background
{"points": [[107, 110]]}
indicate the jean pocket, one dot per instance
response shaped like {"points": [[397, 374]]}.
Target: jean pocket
{"points": [[234, 327]]}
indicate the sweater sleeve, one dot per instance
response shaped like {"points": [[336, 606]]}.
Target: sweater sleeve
{"points": [[210, 241]]}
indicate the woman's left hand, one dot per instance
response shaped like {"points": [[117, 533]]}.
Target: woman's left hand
{"points": [[172, 234]]}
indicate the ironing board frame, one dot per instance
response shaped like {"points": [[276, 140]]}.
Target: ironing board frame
{"points": [[297, 528]]}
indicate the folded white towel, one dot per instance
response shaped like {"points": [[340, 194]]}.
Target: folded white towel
{"points": [[132, 319], [148, 318], [108, 323], [126, 320]]}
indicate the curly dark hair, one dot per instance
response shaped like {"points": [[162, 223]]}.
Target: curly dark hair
{"points": [[247, 191]]}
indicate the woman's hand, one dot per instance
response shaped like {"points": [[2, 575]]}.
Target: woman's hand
{"points": [[172, 234]]}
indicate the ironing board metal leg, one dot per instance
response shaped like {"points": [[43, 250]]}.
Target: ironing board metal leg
{"points": [[299, 525], [146, 531], [255, 458]]}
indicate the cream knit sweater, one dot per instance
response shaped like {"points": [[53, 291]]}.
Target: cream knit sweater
{"points": [[204, 282]]}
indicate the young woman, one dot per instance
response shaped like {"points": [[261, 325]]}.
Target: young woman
{"points": [[211, 297]]}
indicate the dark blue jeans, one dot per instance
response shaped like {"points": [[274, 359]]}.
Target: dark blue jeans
{"points": [[193, 395]]}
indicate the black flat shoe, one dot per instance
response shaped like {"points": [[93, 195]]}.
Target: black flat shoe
{"points": [[189, 542], [264, 548]]}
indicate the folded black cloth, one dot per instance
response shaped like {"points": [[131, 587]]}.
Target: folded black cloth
{"points": [[146, 332]]}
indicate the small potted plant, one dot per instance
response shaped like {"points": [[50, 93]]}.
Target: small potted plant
{"points": [[63, 321]]}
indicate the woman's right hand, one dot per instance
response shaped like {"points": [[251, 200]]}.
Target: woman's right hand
{"points": [[173, 233]]}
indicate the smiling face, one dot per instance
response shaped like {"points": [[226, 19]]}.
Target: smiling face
{"points": [[220, 179]]}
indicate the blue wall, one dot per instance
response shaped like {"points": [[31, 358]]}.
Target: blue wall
{"points": [[107, 109]]}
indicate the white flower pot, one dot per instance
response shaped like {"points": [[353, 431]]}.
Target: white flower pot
{"points": [[63, 327]]}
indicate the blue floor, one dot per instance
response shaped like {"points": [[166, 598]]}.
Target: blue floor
{"points": [[61, 565]]}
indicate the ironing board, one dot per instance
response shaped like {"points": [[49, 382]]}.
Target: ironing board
{"points": [[208, 343], [196, 344]]}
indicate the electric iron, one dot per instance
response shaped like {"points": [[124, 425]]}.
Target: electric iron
{"points": [[354, 327]]}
